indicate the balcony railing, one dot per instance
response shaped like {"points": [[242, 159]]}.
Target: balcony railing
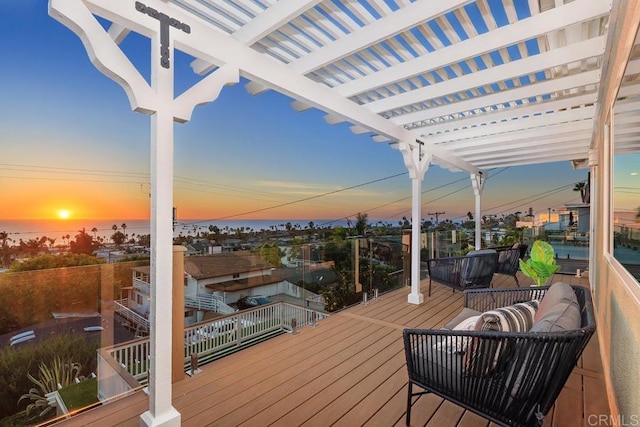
{"points": [[213, 339], [142, 284], [133, 319], [208, 302]]}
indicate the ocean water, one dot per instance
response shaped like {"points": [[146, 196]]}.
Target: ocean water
{"points": [[57, 228]]}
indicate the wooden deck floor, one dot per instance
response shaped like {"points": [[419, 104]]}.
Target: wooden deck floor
{"points": [[347, 371]]}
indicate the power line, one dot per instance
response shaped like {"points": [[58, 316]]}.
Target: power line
{"points": [[405, 211], [317, 196], [393, 202]]}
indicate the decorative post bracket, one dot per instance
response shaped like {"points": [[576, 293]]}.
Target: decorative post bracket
{"points": [[165, 23], [108, 58]]}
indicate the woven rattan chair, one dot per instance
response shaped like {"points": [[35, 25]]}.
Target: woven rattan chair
{"points": [[509, 378], [508, 262], [475, 270]]}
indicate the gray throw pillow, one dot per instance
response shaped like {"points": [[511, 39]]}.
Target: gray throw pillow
{"points": [[558, 293], [563, 317]]}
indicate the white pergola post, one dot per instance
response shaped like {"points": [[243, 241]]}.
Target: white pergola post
{"points": [[161, 411], [417, 161], [157, 100], [415, 297], [477, 182]]}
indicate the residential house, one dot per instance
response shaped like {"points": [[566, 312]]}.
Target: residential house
{"points": [[228, 275]]}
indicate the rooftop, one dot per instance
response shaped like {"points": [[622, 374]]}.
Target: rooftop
{"points": [[224, 264]]}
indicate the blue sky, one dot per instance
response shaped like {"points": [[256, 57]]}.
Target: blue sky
{"points": [[70, 141]]}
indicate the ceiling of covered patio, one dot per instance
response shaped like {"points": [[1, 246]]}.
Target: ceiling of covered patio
{"points": [[479, 84]]}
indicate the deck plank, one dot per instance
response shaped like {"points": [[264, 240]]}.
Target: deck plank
{"points": [[595, 402], [360, 413], [424, 408], [231, 393], [306, 398], [447, 414], [469, 419], [568, 408], [348, 370]]}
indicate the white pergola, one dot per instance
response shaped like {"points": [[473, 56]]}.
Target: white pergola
{"points": [[467, 85]]}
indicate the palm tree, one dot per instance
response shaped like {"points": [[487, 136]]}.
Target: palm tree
{"points": [[94, 231], [5, 251], [124, 229], [582, 188], [361, 223]]}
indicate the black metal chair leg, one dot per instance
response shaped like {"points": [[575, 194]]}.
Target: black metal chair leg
{"points": [[408, 417]]}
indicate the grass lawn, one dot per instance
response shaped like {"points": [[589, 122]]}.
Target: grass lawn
{"points": [[80, 395]]}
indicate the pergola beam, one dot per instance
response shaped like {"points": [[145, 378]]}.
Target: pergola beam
{"points": [[262, 25], [502, 97], [505, 115], [414, 14], [509, 71], [535, 26]]}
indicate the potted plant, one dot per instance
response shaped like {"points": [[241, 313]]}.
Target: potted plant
{"points": [[542, 263]]}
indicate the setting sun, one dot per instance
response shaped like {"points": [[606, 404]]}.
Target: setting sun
{"points": [[64, 214]]}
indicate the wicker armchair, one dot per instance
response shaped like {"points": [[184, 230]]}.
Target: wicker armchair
{"points": [[511, 378], [475, 270], [508, 262]]}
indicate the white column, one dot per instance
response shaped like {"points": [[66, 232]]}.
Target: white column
{"points": [[417, 159], [415, 297], [155, 99], [477, 182], [161, 411]]}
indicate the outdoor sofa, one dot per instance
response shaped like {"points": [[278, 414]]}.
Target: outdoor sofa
{"points": [[474, 270], [507, 355]]}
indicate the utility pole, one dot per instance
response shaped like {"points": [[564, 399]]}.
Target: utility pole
{"points": [[435, 238], [436, 214]]}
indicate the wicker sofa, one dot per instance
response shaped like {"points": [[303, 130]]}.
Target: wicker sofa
{"points": [[474, 270], [511, 378]]}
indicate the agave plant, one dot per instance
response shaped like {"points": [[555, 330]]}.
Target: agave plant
{"points": [[542, 263], [50, 378]]}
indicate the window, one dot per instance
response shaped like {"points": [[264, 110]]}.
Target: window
{"points": [[626, 191]]}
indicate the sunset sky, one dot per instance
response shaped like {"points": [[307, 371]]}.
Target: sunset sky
{"points": [[69, 142]]}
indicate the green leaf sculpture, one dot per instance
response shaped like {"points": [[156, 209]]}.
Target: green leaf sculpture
{"points": [[542, 263]]}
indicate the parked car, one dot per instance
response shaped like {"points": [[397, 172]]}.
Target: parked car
{"points": [[252, 301], [224, 329]]}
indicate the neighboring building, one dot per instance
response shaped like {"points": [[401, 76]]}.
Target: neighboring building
{"points": [[213, 282], [227, 275]]}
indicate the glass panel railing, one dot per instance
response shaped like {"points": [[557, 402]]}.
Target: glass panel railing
{"points": [[53, 321], [342, 271]]}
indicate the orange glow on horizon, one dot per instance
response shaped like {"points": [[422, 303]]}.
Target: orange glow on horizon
{"points": [[34, 200]]}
